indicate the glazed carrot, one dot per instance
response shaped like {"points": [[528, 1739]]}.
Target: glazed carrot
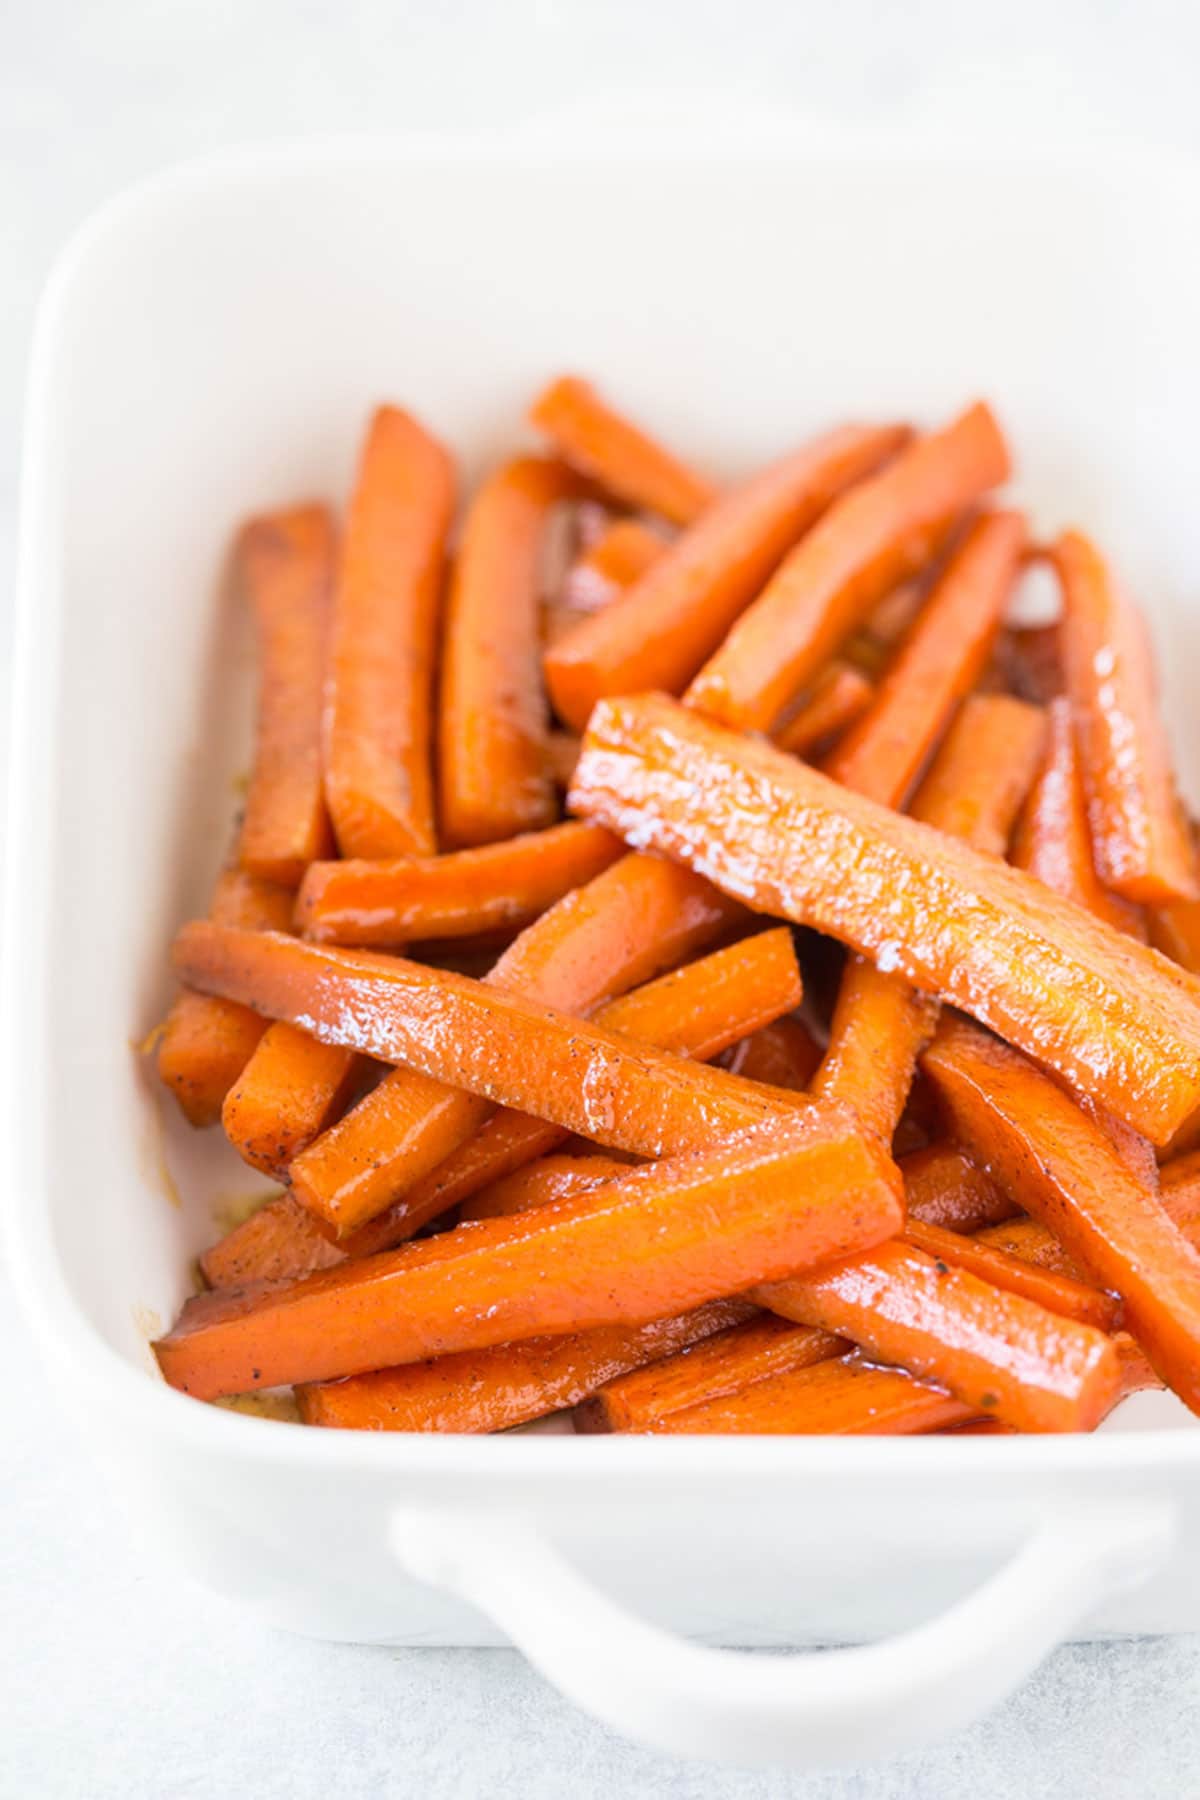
{"points": [[291, 1090], [873, 537], [285, 564], [279, 1242], [1060, 1165], [1139, 833], [493, 719], [706, 1371], [879, 1027], [982, 772], [897, 612], [624, 551], [1175, 930], [662, 628], [782, 1054], [1107, 1014], [993, 1349], [206, 1043], [378, 783], [1054, 1289], [602, 443], [1054, 840], [804, 1189], [838, 696], [640, 916], [540, 1183], [562, 753], [943, 1187], [937, 664], [492, 1390], [410, 898]]}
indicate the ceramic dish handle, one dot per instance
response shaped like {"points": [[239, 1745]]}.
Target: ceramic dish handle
{"points": [[810, 1709]]}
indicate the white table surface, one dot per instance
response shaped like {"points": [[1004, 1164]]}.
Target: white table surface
{"points": [[115, 1684]]}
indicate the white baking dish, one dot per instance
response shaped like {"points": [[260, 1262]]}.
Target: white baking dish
{"points": [[211, 344]]}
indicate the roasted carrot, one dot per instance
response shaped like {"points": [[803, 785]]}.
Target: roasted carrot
{"points": [[618, 454], [285, 564], [492, 1390], [1062, 1167], [993, 1349], [782, 1054], [662, 628], [879, 1027], [979, 778], [291, 1090], [837, 698], [279, 1242], [404, 900], [872, 538], [540, 1183], [937, 664], [944, 1187], [803, 1190], [1139, 833], [1055, 1289], [638, 917], [1053, 840], [1107, 1014], [493, 718], [378, 781], [624, 551], [206, 1043]]}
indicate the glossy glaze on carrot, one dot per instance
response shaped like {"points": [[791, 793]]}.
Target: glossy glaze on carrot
{"points": [[606, 445]]}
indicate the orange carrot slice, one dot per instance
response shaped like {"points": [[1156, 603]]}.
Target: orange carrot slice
{"points": [[378, 781], [291, 1090], [782, 1054], [279, 1242], [407, 899], [604, 444], [1060, 1165], [1139, 832], [285, 562], [663, 1240], [1110, 1016], [838, 697], [661, 629], [874, 536], [540, 1183], [1056, 1290], [944, 1187]]}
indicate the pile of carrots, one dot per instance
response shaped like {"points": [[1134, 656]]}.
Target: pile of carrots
{"points": [[834, 1066]]}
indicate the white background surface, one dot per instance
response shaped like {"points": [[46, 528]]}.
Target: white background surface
{"points": [[115, 1682]]}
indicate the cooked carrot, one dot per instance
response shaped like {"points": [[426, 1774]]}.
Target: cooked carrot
{"points": [[607, 446], [279, 1242], [782, 1054], [944, 1187], [897, 612], [993, 1349], [873, 537], [378, 781], [802, 1190], [1060, 1165], [493, 718], [623, 553], [706, 1371], [1054, 840], [937, 665], [662, 628], [839, 695], [1056, 1290], [492, 1390], [1139, 833], [285, 563], [640, 916], [1107, 1014], [290, 1091], [407, 899], [562, 753], [206, 1043], [540, 1183], [1175, 930], [973, 790]]}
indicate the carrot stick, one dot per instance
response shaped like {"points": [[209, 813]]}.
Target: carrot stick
{"points": [[1054, 840], [879, 1027], [705, 1372], [285, 562], [659, 632], [982, 772], [613, 563], [540, 1183], [407, 899], [1139, 832], [378, 783], [493, 718], [943, 1187], [492, 1390], [872, 538], [804, 1189], [603, 444], [1059, 1164], [279, 1242], [1109, 1015], [290, 1091], [782, 1054], [638, 917], [1055, 1289], [837, 698], [206, 1043], [562, 753], [937, 665], [994, 1350]]}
